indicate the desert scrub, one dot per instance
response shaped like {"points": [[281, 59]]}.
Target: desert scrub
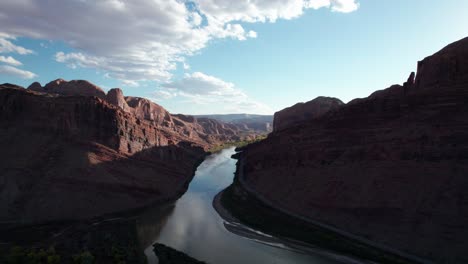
{"points": [[238, 144]]}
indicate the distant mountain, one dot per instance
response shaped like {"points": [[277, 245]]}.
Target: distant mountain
{"points": [[246, 122], [234, 117]]}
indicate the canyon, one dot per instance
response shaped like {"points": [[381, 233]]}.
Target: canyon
{"points": [[390, 168], [70, 151]]}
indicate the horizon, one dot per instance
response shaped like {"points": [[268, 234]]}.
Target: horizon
{"points": [[200, 58]]}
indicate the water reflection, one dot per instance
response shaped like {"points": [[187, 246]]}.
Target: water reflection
{"points": [[150, 224], [195, 228]]}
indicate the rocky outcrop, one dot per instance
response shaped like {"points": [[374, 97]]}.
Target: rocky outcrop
{"points": [[35, 86], [390, 168], [446, 68], [302, 112], [147, 110], [75, 87], [115, 96]]}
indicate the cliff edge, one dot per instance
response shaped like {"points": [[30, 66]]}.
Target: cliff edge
{"points": [[391, 168]]}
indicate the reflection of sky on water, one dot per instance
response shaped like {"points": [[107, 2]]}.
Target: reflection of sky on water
{"points": [[195, 228]]}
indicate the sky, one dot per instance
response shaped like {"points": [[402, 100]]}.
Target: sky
{"points": [[223, 56]]}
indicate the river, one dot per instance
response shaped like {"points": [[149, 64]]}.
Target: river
{"points": [[194, 227]]}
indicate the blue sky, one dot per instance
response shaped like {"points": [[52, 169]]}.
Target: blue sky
{"points": [[219, 56]]}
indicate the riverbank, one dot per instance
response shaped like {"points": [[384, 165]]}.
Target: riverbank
{"points": [[235, 226], [255, 212]]}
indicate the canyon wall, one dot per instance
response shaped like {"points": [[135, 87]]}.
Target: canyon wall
{"points": [[70, 151], [391, 167]]}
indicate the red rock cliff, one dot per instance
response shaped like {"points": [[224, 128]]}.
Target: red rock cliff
{"points": [[205, 131], [72, 157], [75, 87], [391, 167], [301, 112]]}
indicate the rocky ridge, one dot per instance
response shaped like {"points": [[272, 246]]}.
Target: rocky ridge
{"points": [[261, 124], [207, 131]]}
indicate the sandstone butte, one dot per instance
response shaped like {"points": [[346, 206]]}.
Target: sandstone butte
{"points": [[392, 167], [71, 151]]}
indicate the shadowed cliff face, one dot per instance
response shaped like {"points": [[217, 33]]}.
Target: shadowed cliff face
{"points": [[71, 151], [73, 157], [391, 167], [301, 112]]}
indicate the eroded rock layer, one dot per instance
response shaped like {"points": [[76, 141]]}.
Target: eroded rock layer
{"points": [[392, 167], [206, 131], [71, 152]]}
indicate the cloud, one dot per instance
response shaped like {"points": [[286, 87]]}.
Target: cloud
{"points": [[252, 34], [12, 71], [130, 83], [142, 40], [208, 91], [201, 84], [10, 60], [344, 6], [163, 94], [6, 46]]}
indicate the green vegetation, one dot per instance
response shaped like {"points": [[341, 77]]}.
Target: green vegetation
{"points": [[84, 258], [82, 243], [238, 144], [255, 213], [17, 255]]}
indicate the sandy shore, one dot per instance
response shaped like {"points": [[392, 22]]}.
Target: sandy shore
{"points": [[234, 225]]}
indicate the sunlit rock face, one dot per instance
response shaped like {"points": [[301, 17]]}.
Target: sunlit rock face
{"points": [[204, 131], [115, 96], [391, 167]]}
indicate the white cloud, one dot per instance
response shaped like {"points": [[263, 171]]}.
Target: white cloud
{"points": [[142, 40], [199, 83], [163, 94], [344, 6], [316, 4], [6, 46], [12, 71], [209, 92], [130, 83], [10, 60], [252, 34]]}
